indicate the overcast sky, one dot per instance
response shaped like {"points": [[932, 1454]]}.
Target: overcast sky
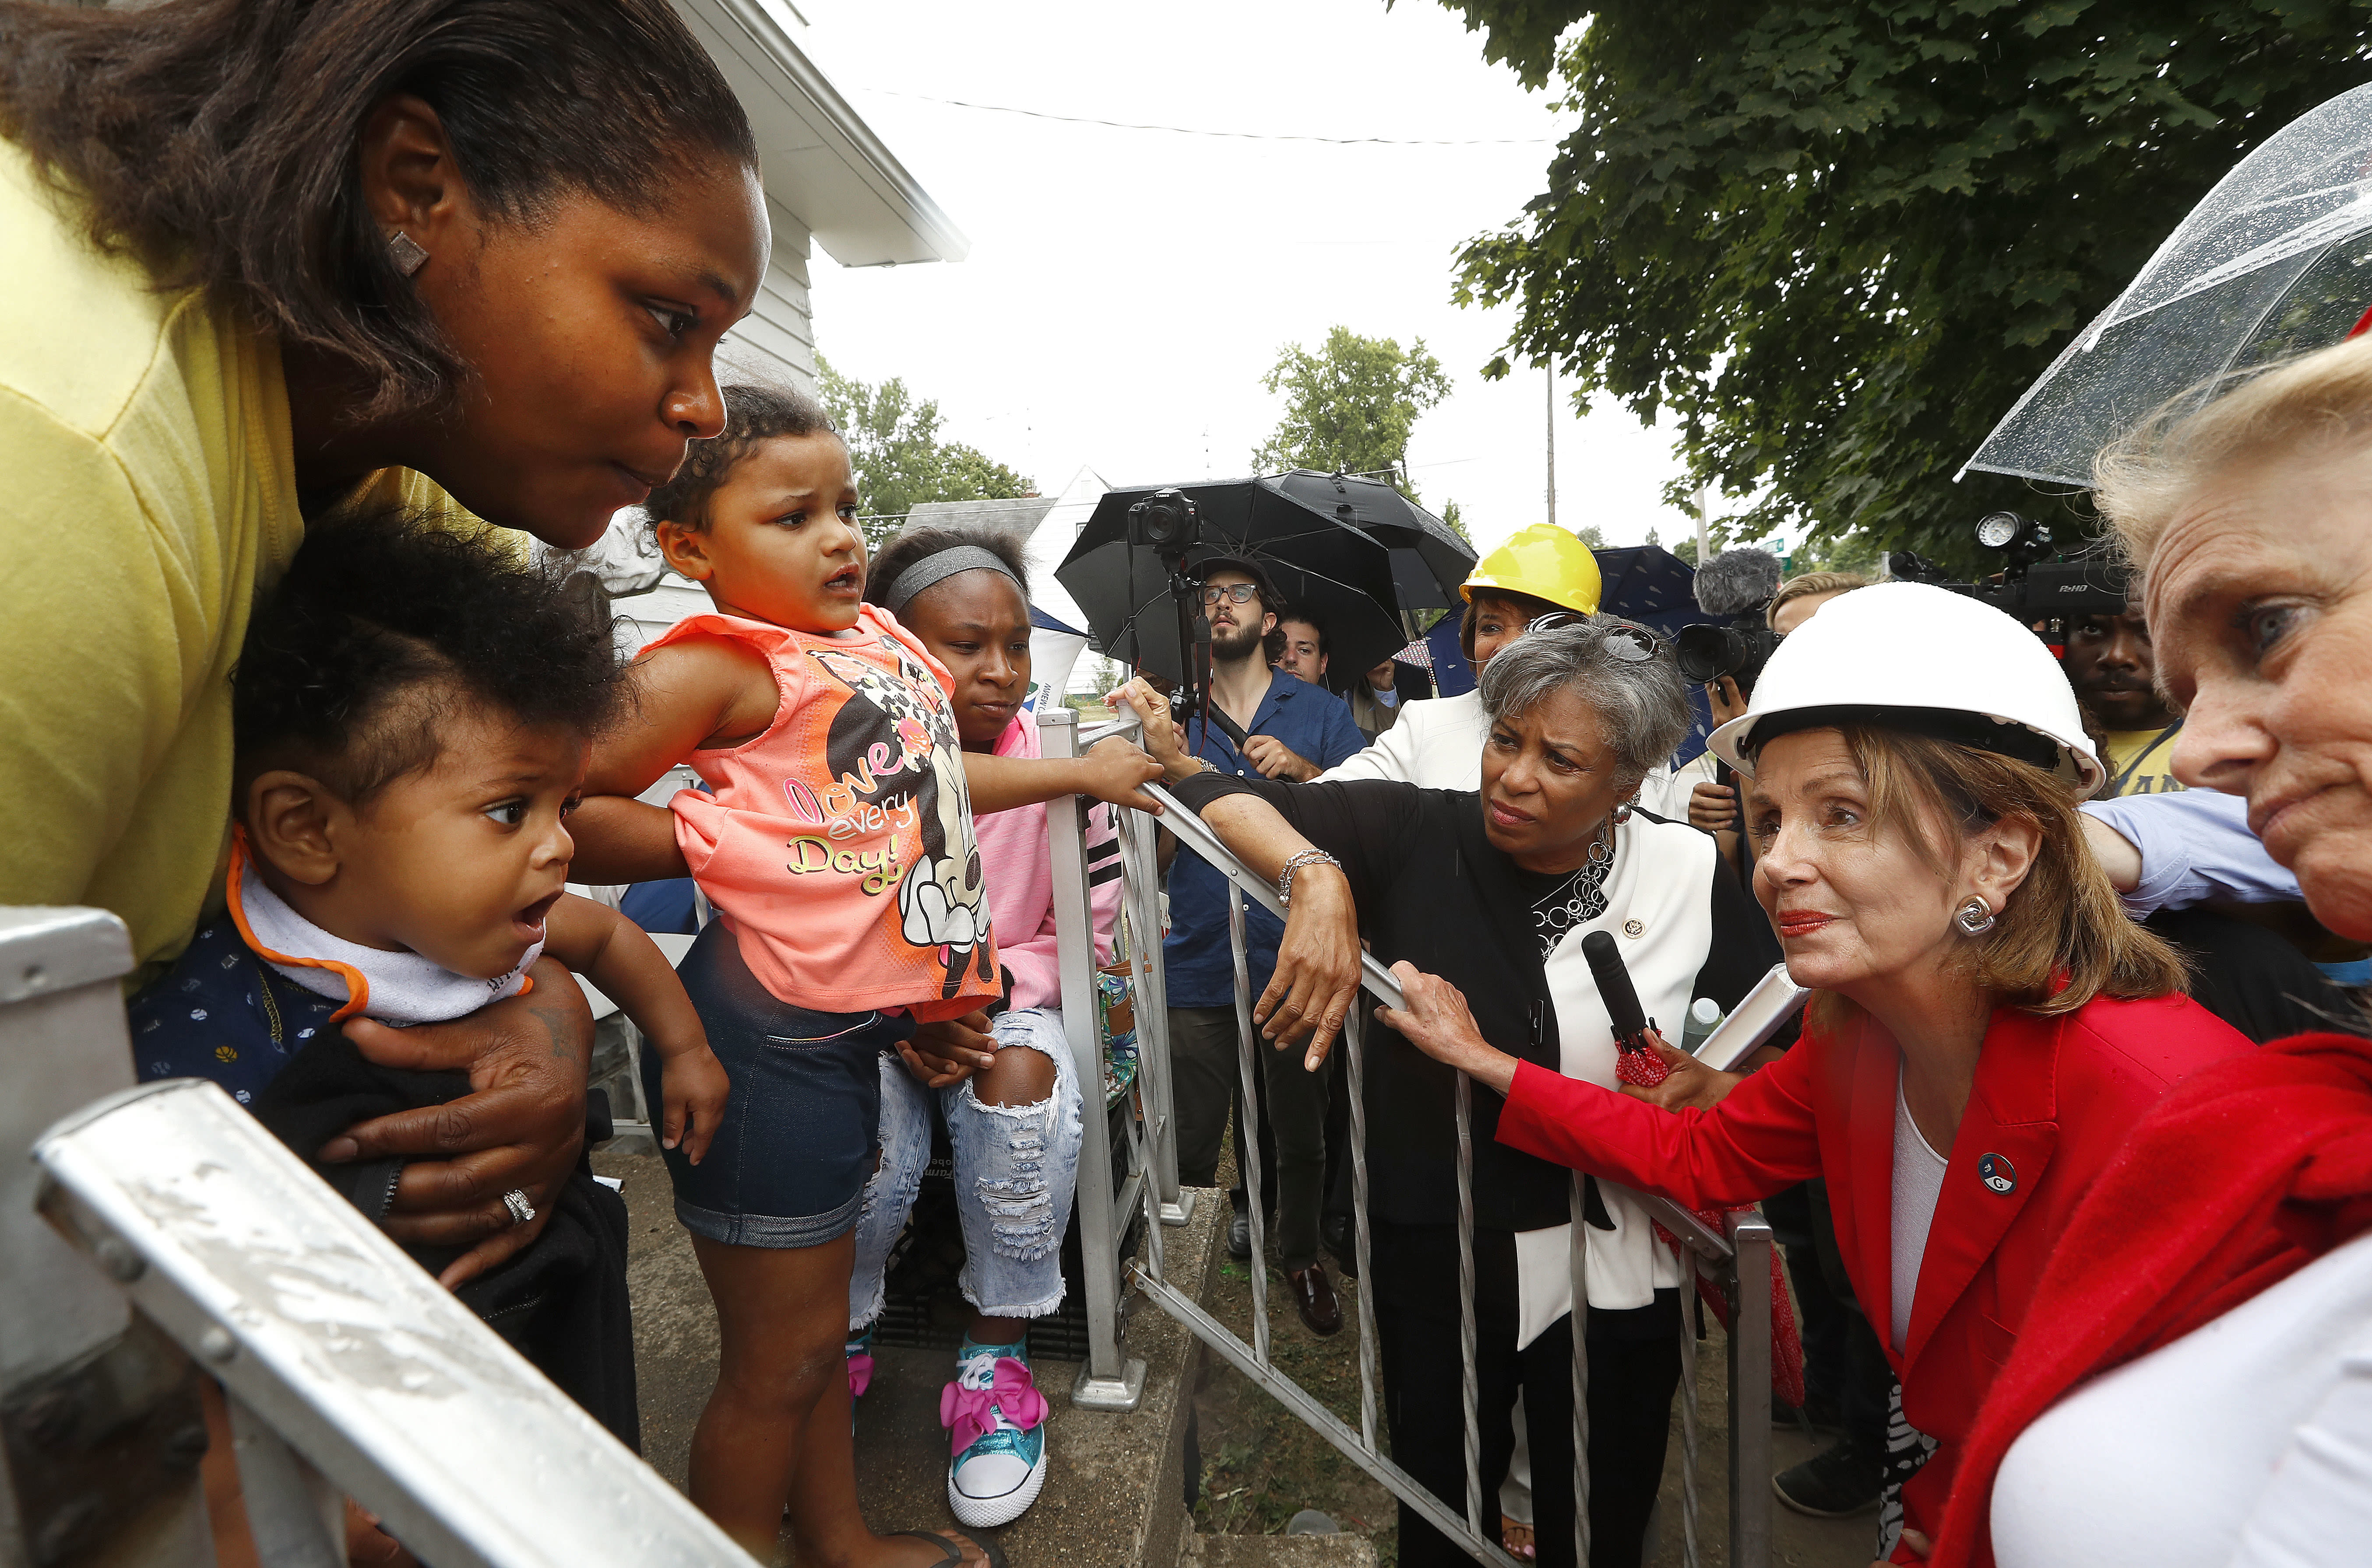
{"points": [[1127, 289]]}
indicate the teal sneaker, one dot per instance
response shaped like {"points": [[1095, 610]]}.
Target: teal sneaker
{"points": [[997, 1427]]}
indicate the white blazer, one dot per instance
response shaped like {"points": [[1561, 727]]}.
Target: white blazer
{"points": [[1437, 744]]}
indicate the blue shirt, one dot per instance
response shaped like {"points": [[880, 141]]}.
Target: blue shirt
{"points": [[2195, 845], [1316, 725], [223, 1014]]}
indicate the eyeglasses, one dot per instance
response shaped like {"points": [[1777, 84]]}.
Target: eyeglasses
{"points": [[1631, 645], [1241, 593], [1623, 643]]}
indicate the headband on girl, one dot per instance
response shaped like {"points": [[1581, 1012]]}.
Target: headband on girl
{"points": [[933, 569]]}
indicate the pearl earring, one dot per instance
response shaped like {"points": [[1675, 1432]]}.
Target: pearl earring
{"points": [[409, 256], [1976, 918]]}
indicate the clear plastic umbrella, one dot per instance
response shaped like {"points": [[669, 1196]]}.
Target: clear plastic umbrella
{"points": [[2276, 259]]}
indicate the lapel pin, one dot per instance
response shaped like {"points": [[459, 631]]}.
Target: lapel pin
{"points": [[1999, 1176], [1634, 928]]}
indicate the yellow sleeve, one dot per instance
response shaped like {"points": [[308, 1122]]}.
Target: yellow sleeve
{"points": [[423, 496], [114, 709]]}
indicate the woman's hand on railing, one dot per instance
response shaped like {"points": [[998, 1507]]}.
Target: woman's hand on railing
{"points": [[1162, 742], [1688, 1082], [1316, 978], [1438, 1022], [1118, 771]]}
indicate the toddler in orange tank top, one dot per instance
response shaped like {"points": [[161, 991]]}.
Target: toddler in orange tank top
{"points": [[835, 842]]}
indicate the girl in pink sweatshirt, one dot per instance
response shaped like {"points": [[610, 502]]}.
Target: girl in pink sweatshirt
{"points": [[1014, 1126]]}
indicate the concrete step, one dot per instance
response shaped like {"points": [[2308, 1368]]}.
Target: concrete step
{"points": [[1340, 1550], [1115, 1489]]}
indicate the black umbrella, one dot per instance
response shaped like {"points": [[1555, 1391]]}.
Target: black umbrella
{"points": [[1354, 552]]}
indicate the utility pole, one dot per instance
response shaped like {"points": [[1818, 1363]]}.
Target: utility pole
{"points": [[1549, 365], [1704, 542]]}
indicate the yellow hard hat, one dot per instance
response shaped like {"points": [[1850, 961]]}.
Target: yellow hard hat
{"points": [[1545, 562]]}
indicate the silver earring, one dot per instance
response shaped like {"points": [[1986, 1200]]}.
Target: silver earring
{"points": [[1623, 812], [409, 256], [1975, 917]]}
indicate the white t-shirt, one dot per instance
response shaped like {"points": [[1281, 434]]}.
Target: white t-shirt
{"points": [[2247, 1444], [1918, 1183]]}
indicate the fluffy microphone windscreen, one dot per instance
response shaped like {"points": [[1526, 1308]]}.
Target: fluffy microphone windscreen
{"points": [[1737, 579]]}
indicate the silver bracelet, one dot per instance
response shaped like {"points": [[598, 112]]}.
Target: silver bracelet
{"points": [[1306, 857]]}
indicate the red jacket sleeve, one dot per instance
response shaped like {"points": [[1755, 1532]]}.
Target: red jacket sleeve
{"points": [[1762, 1138]]}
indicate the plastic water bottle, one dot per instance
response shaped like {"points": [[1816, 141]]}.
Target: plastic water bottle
{"points": [[1704, 1017]]}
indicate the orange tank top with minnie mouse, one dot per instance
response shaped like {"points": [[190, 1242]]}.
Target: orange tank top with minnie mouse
{"points": [[838, 845]]}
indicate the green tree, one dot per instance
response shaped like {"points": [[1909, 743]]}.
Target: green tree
{"points": [[1349, 407], [1455, 522], [1838, 239], [894, 446]]}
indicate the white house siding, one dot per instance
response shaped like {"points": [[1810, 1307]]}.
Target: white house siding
{"points": [[777, 341]]}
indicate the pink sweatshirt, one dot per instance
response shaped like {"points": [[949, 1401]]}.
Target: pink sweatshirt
{"points": [[1021, 882]]}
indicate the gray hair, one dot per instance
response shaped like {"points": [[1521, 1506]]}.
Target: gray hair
{"points": [[1644, 705]]}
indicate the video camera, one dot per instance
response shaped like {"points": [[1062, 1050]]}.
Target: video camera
{"points": [[2038, 593], [1737, 585]]}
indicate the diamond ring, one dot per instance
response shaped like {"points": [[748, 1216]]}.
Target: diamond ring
{"points": [[522, 1209]]}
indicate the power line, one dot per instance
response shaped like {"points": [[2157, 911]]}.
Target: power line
{"points": [[1230, 135]]}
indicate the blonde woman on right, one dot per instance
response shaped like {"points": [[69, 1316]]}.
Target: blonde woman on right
{"points": [[2194, 1388]]}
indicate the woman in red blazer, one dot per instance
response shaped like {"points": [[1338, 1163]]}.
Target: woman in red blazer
{"points": [[1988, 1026]]}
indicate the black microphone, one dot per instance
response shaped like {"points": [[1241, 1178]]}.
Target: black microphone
{"points": [[1614, 988]]}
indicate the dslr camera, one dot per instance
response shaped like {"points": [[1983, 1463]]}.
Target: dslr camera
{"points": [[1166, 522], [2044, 594]]}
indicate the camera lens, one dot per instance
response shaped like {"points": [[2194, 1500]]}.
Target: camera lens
{"points": [[1707, 652]]}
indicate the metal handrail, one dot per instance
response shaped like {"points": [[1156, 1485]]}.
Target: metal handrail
{"points": [[1740, 1245], [347, 1369], [1196, 835]]}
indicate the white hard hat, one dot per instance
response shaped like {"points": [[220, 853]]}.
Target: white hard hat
{"points": [[1913, 657]]}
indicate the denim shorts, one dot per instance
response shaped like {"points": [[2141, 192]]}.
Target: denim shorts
{"points": [[789, 1163]]}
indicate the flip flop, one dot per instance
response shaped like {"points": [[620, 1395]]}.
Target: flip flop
{"points": [[952, 1546]]}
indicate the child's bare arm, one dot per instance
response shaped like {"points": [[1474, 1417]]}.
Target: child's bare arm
{"points": [[618, 838], [700, 692], [616, 956], [1113, 769], [688, 695]]}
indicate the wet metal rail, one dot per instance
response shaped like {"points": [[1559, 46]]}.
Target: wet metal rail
{"points": [[151, 1235], [1110, 1379]]}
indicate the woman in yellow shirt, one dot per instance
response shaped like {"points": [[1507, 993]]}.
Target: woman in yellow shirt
{"points": [[269, 257]]}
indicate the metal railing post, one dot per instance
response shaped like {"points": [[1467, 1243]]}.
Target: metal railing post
{"points": [[1248, 1167], [1578, 1260], [1354, 1047], [1141, 870], [1688, 1408], [67, 1339], [1750, 1391], [1469, 1389], [1109, 1379]]}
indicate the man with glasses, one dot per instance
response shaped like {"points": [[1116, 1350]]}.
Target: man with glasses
{"points": [[1295, 730]]}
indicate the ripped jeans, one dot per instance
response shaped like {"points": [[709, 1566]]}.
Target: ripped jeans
{"points": [[1016, 1170]]}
